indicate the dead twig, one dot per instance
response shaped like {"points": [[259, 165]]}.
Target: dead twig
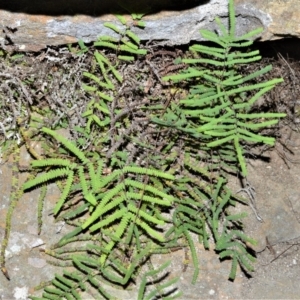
{"points": [[281, 253], [250, 191]]}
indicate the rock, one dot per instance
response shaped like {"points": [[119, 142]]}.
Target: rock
{"points": [[32, 25], [283, 16]]}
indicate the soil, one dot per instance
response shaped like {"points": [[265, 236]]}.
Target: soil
{"points": [[273, 218]]}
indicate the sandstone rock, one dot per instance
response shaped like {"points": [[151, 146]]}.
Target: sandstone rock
{"points": [[32, 25]]}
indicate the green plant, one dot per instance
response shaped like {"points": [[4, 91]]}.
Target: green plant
{"points": [[217, 114], [114, 195], [218, 108], [130, 192]]}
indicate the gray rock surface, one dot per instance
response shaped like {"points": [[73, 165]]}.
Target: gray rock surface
{"points": [[32, 25]]}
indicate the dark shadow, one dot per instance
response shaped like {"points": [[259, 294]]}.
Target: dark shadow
{"points": [[95, 7], [287, 47]]}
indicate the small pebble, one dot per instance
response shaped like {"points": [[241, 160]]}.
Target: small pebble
{"points": [[21, 293], [211, 292]]}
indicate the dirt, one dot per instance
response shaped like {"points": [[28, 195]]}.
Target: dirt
{"points": [[278, 235], [273, 220]]}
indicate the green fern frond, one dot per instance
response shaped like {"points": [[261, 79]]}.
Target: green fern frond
{"points": [[149, 199], [44, 178], [149, 230], [118, 233], [144, 215], [74, 212], [88, 195], [150, 172], [194, 255], [111, 218], [145, 187], [113, 27], [65, 193], [53, 162], [159, 287], [133, 36], [67, 144]]}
